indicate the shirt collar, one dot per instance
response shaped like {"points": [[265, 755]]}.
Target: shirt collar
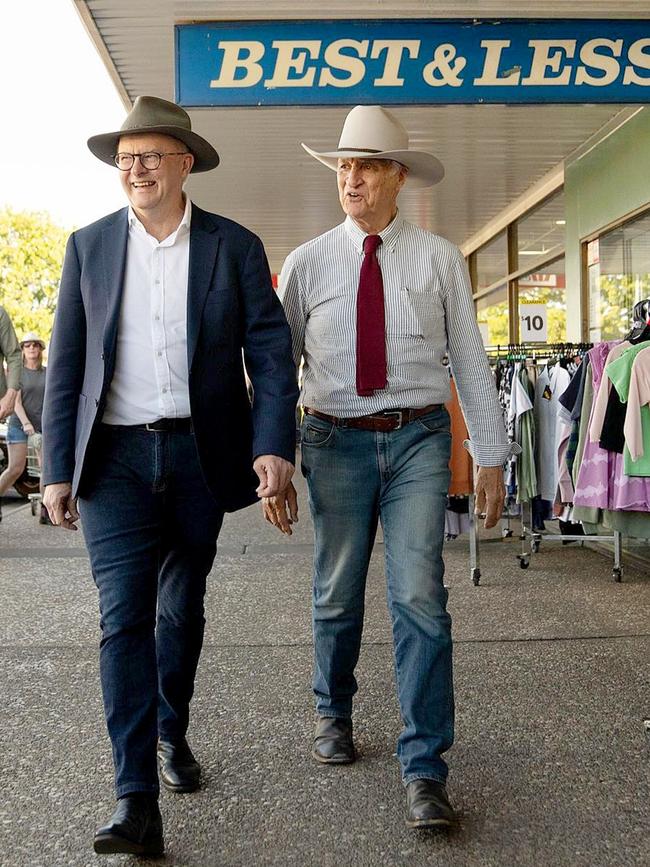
{"points": [[388, 236], [182, 229]]}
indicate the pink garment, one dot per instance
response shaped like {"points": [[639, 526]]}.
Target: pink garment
{"points": [[638, 396], [600, 403], [592, 483], [601, 482]]}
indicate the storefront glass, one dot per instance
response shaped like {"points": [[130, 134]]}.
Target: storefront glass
{"points": [[618, 266], [541, 229], [492, 316], [547, 289], [492, 262]]}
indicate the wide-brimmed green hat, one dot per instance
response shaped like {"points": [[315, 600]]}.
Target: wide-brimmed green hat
{"points": [[151, 114]]}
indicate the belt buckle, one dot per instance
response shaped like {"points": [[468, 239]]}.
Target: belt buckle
{"points": [[153, 427], [399, 415]]}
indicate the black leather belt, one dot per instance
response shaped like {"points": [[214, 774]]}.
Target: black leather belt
{"points": [[163, 425], [388, 420]]}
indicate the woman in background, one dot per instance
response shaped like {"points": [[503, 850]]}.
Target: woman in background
{"points": [[26, 418]]}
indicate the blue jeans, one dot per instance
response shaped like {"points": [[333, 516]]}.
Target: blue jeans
{"points": [[151, 528], [356, 478]]}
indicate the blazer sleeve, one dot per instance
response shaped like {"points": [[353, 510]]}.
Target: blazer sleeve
{"points": [[268, 359], [65, 370]]}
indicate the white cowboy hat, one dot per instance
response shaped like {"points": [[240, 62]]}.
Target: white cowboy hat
{"points": [[373, 132]]}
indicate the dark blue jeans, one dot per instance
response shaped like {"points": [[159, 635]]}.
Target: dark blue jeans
{"points": [[151, 528], [357, 478]]}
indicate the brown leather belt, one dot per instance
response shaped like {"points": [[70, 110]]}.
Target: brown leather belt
{"points": [[388, 420]]}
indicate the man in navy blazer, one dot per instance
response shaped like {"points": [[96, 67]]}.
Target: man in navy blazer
{"points": [[149, 426]]}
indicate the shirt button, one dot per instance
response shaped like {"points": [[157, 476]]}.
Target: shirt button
{"points": [[164, 390], [160, 353], [157, 318]]}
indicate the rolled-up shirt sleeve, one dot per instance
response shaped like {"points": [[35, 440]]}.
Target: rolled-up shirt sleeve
{"points": [[488, 443]]}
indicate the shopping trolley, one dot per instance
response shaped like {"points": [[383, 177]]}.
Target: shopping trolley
{"points": [[34, 468]]}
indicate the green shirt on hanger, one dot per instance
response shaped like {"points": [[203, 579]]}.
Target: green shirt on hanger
{"points": [[620, 372]]}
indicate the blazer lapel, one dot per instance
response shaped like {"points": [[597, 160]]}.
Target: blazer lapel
{"points": [[114, 238], [204, 244]]}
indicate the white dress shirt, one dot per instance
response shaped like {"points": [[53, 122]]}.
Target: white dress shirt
{"points": [[151, 372]]}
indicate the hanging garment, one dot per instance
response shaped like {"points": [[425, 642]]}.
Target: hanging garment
{"points": [[592, 482], [602, 482], [549, 387], [521, 410], [620, 373], [600, 406]]}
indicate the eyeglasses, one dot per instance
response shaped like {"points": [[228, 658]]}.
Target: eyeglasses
{"points": [[31, 345], [150, 160]]}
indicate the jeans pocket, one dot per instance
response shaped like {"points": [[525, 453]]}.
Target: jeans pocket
{"points": [[436, 421], [316, 432]]}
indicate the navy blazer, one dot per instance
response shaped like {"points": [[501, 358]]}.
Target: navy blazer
{"points": [[233, 315]]}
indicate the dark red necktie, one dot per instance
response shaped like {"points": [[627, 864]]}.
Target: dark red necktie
{"points": [[371, 330]]}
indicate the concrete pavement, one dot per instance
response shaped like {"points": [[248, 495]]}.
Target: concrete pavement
{"points": [[550, 765]]}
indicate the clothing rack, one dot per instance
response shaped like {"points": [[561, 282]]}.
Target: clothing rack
{"points": [[530, 538]]}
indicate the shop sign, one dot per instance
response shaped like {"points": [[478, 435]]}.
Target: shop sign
{"points": [[412, 62], [533, 323]]}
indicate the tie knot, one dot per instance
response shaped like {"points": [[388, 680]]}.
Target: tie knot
{"points": [[370, 243]]}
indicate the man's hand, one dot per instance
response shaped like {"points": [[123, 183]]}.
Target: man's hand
{"points": [[274, 474], [490, 494], [8, 403], [61, 505], [275, 509]]}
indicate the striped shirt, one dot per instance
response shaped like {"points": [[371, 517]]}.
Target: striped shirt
{"points": [[429, 317]]}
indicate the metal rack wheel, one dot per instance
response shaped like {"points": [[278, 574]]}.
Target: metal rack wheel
{"points": [[524, 562], [34, 504], [476, 576], [617, 574], [506, 533], [534, 546]]}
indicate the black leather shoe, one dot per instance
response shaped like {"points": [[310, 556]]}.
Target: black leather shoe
{"points": [[333, 743], [135, 828], [179, 770], [428, 806]]}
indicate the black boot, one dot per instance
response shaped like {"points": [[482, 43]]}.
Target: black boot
{"points": [[135, 828], [179, 770], [427, 805]]}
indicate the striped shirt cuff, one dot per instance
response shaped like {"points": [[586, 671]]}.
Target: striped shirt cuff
{"points": [[491, 455]]}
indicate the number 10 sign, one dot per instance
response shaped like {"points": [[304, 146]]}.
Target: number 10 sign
{"points": [[533, 323]]}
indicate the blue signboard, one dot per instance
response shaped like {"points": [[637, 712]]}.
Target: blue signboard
{"points": [[231, 63]]}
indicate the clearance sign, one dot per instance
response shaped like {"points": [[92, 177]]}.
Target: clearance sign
{"points": [[412, 62]]}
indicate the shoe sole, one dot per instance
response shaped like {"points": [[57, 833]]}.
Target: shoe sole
{"points": [[429, 823], [344, 760], [109, 844], [181, 790]]}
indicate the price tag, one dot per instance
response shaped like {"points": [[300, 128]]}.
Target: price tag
{"points": [[533, 323]]}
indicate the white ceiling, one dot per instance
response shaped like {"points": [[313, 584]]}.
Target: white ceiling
{"points": [[492, 154]]}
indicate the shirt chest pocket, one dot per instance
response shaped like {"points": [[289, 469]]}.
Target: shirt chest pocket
{"points": [[414, 313]]}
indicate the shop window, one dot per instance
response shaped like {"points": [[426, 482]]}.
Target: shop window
{"points": [[491, 262], [493, 318], [547, 288], [618, 265], [540, 230]]}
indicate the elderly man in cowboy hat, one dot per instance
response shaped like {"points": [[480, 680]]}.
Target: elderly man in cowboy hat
{"points": [[376, 306], [148, 423]]}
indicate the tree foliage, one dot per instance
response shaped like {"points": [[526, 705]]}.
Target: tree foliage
{"points": [[32, 246]]}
